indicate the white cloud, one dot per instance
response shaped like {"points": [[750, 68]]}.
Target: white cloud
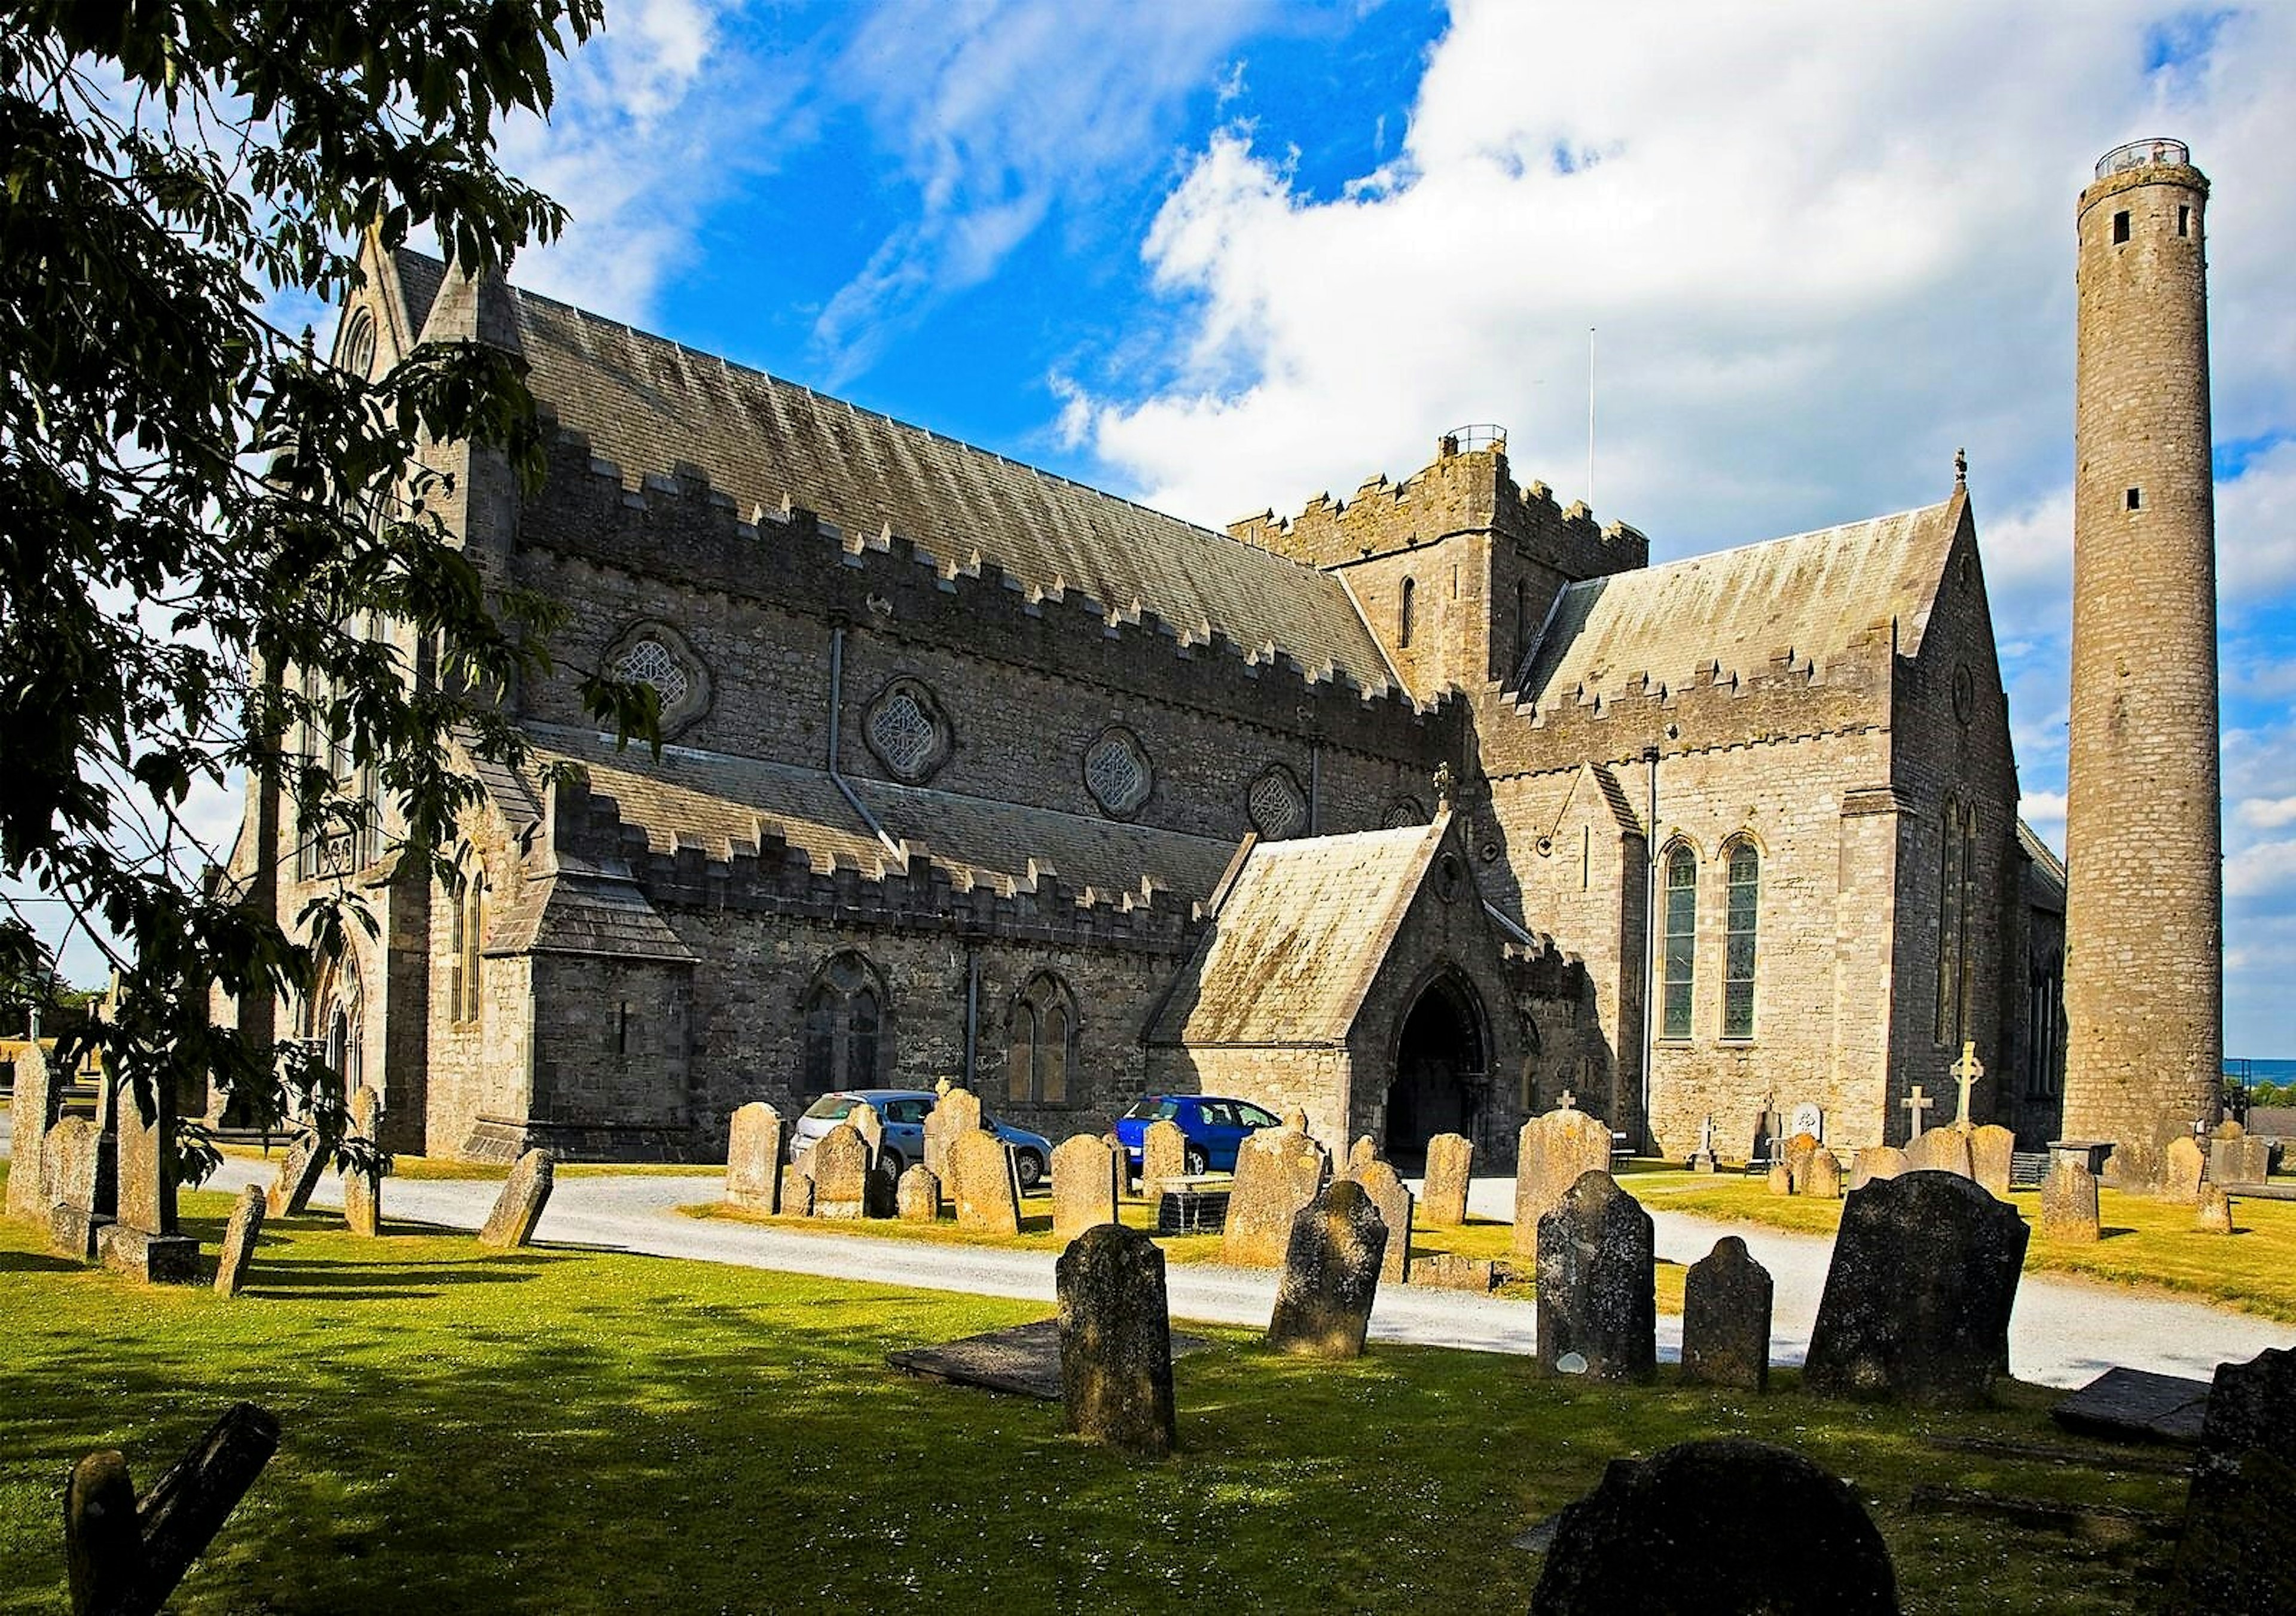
{"points": [[2268, 812], [2255, 531], [2045, 811]]}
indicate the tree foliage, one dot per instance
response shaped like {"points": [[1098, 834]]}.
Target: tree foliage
{"points": [[191, 501]]}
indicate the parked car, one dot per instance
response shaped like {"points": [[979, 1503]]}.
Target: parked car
{"points": [[903, 1112], [1214, 1125]]}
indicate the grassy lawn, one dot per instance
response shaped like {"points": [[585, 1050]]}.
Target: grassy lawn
{"points": [[440, 1168], [2146, 1243], [553, 1431]]}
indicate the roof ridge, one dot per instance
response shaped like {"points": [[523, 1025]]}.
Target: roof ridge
{"points": [[1762, 544]]}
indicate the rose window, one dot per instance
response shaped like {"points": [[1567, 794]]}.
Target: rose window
{"points": [[903, 732], [1277, 808], [1115, 773]]}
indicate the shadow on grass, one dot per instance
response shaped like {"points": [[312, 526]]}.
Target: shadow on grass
{"points": [[38, 1262]]}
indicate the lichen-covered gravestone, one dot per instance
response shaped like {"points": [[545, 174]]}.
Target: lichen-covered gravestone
{"points": [[1085, 1184], [1991, 1148], [2182, 1166], [1331, 1275], [2243, 1492], [31, 1113], [1917, 1300], [1163, 1155], [84, 1185], [1116, 1341], [1941, 1149], [1800, 1149], [954, 1115], [1450, 1162], [2238, 1158], [525, 1194], [1363, 1153], [1821, 1177], [870, 1126], [1726, 1302], [1877, 1162], [239, 1240], [143, 1238], [299, 1172], [1597, 1294], [1392, 1197], [753, 1159], [917, 1198], [1278, 1170], [1781, 1178], [986, 1188], [2069, 1202], [1725, 1524], [839, 1166], [2214, 1216], [1551, 1153], [797, 1193], [363, 1185]]}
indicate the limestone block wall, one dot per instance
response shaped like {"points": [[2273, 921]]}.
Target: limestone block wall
{"points": [[1319, 1080]]}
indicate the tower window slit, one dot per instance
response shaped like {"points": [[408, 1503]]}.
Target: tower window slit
{"points": [[2120, 227], [2135, 499], [2183, 219]]}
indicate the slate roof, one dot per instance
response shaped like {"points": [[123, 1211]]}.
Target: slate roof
{"points": [[1303, 933], [652, 406], [1813, 594], [577, 910]]}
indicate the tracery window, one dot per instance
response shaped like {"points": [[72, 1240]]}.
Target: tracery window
{"points": [[654, 653], [1279, 808], [844, 1026], [358, 345], [1956, 900], [646, 661], [904, 726], [1406, 612], [1116, 773], [1680, 958], [1739, 950], [1044, 1027], [1403, 811], [469, 928]]}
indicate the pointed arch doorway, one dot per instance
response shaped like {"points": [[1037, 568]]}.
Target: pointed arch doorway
{"points": [[1440, 1069]]}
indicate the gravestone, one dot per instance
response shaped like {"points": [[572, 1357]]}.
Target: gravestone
{"points": [[1116, 1341], [2069, 1202], [958, 1113], [2240, 1160], [753, 1159], [31, 1113], [2136, 1166], [1551, 1153], [2182, 1166], [797, 1192], [1727, 1301], [520, 1205], [1278, 1172], [917, 1197], [1086, 1180], [300, 1171], [840, 1165], [124, 1556], [1331, 1275], [1392, 1197], [1917, 1298], [1821, 1179], [2243, 1495], [1941, 1149], [1363, 1153], [1807, 1118], [1163, 1155], [1597, 1299], [870, 1126], [83, 1180], [986, 1189], [1991, 1148], [1800, 1149], [2214, 1216], [1450, 1163], [1781, 1178], [1296, 1120], [143, 1238], [1702, 1159], [1449, 1271], [1876, 1163], [1724, 1524], [2229, 1129], [363, 1185], [238, 1238]]}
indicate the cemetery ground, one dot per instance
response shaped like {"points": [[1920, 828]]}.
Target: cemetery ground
{"points": [[564, 1429]]}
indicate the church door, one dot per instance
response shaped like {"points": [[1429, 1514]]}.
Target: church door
{"points": [[1438, 1070]]}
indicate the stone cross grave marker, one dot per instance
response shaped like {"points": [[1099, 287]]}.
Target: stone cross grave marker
{"points": [[1966, 1072], [238, 1238], [1331, 1275], [1916, 1103], [519, 1208], [1116, 1341]]}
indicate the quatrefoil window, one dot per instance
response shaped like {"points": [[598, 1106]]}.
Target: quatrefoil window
{"points": [[654, 653], [1116, 773], [1279, 808], [908, 731], [649, 661]]}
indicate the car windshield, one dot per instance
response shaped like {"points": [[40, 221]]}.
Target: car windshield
{"points": [[830, 1108], [1154, 1108]]}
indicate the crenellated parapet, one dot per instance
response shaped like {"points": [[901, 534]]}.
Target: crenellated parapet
{"points": [[1464, 490]]}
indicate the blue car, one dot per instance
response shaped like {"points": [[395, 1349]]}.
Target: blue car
{"points": [[903, 1112], [1214, 1127]]}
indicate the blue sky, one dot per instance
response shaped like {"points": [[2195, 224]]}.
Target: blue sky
{"points": [[1221, 256]]}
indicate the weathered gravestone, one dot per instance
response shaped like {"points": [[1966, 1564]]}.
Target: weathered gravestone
{"points": [[956, 1113], [1086, 1184], [1727, 1301], [1991, 1148], [1278, 1170], [2136, 1166], [1821, 1177], [2182, 1166], [1388, 1192], [1781, 1178], [1163, 1155], [797, 1192], [238, 1238], [753, 1159], [1115, 1341], [1551, 1153], [870, 1126], [1917, 1302], [1941, 1149], [985, 1189], [1331, 1275], [1723, 1525], [839, 1162], [519, 1206], [1363, 1153], [917, 1198], [1597, 1296], [2240, 1160], [2069, 1202], [1876, 1163], [123, 1557], [1296, 1120], [1800, 1149], [363, 1182], [2214, 1215], [31, 1113], [143, 1238], [299, 1172], [2242, 1495], [1450, 1161], [83, 1180]]}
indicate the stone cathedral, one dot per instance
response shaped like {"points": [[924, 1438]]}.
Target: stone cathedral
{"points": [[1422, 809]]}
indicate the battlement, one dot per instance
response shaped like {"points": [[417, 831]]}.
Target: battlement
{"points": [[1466, 489]]}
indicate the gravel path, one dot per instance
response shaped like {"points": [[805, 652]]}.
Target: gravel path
{"points": [[2065, 1332]]}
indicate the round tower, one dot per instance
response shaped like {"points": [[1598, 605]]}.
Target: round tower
{"points": [[2144, 904]]}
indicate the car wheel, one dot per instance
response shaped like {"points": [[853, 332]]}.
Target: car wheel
{"points": [[1194, 1160], [891, 1160], [1030, 1167]]}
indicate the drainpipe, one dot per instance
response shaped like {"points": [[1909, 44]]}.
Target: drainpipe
{"points": [[1315, 788], [837, 706], [972, 1011], [1651, 944]]}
